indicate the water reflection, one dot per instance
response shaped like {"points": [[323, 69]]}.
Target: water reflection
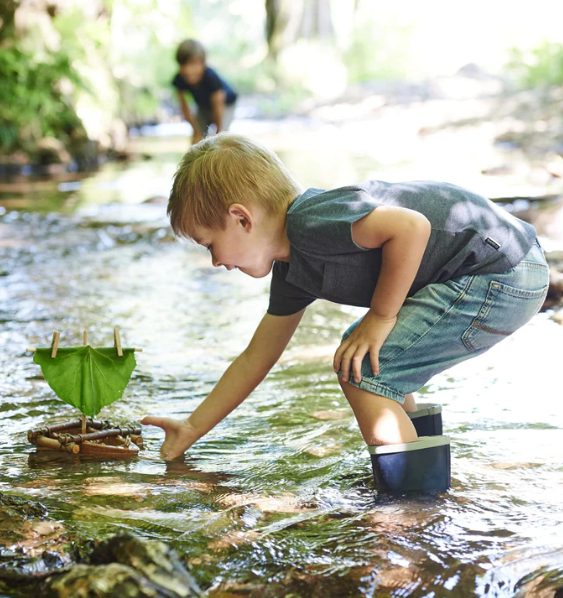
{"points": [[279, 497]]}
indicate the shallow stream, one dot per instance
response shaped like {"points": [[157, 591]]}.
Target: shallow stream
{"points": [[278, 500]]}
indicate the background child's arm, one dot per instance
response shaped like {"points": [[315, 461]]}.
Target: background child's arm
{"points": [[240, 379], [218, 101], [197, 136], [403, 235]]}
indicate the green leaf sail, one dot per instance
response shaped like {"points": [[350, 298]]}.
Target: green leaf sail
{"points": [[87, 378]]}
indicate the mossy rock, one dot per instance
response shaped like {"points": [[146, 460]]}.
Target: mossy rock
{"points": [[108, 581], [123, 566], [15, 509]]}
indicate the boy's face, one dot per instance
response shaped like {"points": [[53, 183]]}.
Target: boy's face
{"points": [[240, 245], [192, 71]]}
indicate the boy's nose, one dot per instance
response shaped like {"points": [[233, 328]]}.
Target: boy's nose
{"points": [[217, 264]]}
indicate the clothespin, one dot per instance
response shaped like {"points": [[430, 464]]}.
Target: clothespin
{"points": [[117, 341], [55, 344]]}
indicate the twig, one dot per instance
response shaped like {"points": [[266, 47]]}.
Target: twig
{"points": [[55, 344], [117, 341], [33, 349]]}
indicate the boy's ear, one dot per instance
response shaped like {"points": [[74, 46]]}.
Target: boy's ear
{"points": [[242, 215]]}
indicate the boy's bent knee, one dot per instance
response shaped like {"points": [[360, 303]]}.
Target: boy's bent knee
{"points": [[374, 387], [381, 420]]}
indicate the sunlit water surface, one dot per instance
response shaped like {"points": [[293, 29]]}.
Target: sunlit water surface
{"points": [[280, 495]]}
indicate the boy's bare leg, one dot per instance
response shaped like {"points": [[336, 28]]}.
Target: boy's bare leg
{"points": [[381, 420], [410, 404]]}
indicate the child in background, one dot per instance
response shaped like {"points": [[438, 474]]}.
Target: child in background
{"points": [[446, 274], [214, 98]]}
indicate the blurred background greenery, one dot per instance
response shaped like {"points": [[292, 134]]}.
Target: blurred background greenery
{"points": [[82, 72]]}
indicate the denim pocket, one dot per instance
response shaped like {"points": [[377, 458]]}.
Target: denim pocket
{"points": [[504, 310]]}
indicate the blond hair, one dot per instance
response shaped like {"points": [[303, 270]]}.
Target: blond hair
{"points": [[222, 170]]}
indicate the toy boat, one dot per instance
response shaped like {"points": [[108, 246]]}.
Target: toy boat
{"points": [[88, 379], [101, 438]]}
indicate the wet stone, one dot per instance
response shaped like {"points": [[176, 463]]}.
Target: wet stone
{"points": [[22, 571], [14, 509], [156, 561], [123, 566], [111, 581]]}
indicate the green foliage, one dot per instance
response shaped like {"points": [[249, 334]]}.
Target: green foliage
{"points": [[377, 53], [542, 66], [32, 105], [87, 378], [118, 65], [143, 47]]}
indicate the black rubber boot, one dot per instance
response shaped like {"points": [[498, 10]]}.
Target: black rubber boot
{"points": [[427, 419], [423, 465]]}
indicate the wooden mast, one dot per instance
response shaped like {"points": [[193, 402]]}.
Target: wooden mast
{"points": [[83, 428]]}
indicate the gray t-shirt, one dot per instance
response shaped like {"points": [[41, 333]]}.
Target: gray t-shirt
{"points": [[470, 235]]}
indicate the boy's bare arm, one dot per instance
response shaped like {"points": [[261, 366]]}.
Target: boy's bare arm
{"points": [[403, 236], [218, 101], [239, 380], [247, 371], [189, 116]]}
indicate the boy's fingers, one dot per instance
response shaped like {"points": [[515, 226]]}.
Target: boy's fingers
{"points": [[164, 451], [346, 362], [150, 420], [171, 455], [345, 369], [357, 368], [357, 363], [374, 358], [168, 452], [336, 362], [338, 356]]}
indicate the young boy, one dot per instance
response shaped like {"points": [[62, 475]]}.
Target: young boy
{"points": [[446, 274], [214, 98]]}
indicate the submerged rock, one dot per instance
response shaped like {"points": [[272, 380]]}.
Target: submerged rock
{"points": [[113, 581], [23, 571], [123, 566], [17, 516], [154, 560], [16, 508]]}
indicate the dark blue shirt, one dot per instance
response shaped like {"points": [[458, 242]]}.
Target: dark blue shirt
{"points": [[209, 84]]}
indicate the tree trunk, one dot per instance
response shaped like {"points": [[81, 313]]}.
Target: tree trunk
{"points": [[7, 14], [276, 22], [290, 20], [316, 22]]}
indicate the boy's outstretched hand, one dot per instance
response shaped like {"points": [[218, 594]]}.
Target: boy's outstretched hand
{"points": [[368, 337], [180, 435]]}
